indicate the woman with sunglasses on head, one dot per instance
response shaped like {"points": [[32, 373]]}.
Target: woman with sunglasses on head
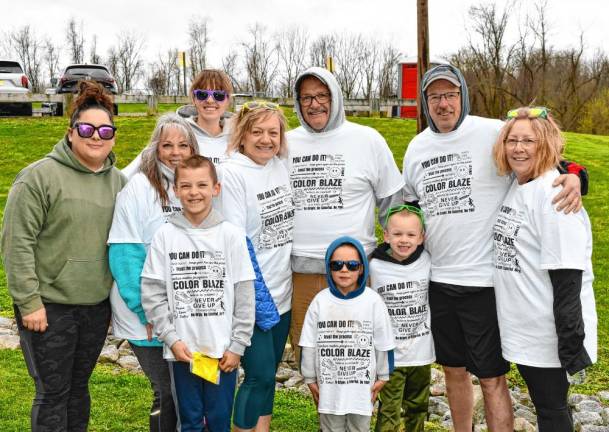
{"points": [[256, 195], [543, 269], [210, 93], [142, 207], [56, 223]]}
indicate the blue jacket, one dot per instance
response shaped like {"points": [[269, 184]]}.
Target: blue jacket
{"points": [[361, 281], [267, 314]]}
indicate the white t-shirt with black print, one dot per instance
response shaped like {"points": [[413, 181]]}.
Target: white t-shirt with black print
{"points": [[200, 267], [346, 334], [455, 180], [259, 199], [530, 238], [138, 214], [336, 178], [404, 289]]}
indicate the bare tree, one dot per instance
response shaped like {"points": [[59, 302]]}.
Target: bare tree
{"points": [[260, 60], [369, 59], [164, 77], [322, 48], [27, 47], [51, 58], [76, 41], [198, 40], [125, 60], [387, 76], [292, 50], [230, 65], [93, 56], [349, 63]]}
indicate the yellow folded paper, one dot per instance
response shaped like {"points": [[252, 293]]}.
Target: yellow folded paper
{"points": [[206, 367]]}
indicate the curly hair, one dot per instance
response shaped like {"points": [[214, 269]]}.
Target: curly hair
{"points": [[91, 95]]}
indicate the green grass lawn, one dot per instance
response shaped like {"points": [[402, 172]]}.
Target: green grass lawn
{"points": [[120, 400]]}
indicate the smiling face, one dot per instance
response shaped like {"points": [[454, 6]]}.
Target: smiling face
{"points": [[404, 234], [521, 149], [209, 111], [173, 147], [445, 114], [344, 279], [195, 189], [91, 152], [317, 115], [263, 141]]}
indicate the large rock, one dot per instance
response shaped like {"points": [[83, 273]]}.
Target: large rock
{"points": [[589, 405], [605, 415], [437, 406], [109, 354], [8, 341], [6, 323], [522, 425], [283, 374], [604, 395], [124, 349], [129, 362], [587, 418], [593, 428], [294, 381], [526, 414]]}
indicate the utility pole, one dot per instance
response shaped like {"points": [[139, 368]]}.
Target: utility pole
{"points": [[422, 58]]}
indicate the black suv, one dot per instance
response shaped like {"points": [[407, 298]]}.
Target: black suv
{"points": [[78, 72]]}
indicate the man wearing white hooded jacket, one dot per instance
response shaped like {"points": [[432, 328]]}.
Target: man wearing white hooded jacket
{"points": [[340, 172]]}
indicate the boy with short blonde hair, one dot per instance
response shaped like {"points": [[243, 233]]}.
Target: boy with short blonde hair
{"points": [[399, 272]]}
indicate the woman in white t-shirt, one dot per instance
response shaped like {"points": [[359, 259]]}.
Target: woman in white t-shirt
{"points": [[543, 270], [256, 195], [142, 207]]}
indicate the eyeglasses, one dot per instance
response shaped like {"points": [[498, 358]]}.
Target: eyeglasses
{"points": [[320, 98], [410, 208], [351, 265], [527, 143], [86, 130], [534, 112], [204, 94], [248, 106], [435, 99]]}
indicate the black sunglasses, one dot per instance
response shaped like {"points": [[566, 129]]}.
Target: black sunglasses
{"points": [[352, 265], [203, 94], [86, 130]]}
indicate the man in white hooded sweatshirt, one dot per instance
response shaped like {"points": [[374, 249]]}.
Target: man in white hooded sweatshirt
{"points": [[340, 172]]}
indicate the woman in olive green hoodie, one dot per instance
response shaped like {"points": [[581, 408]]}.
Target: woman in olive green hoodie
{"points": [[55, 227]]}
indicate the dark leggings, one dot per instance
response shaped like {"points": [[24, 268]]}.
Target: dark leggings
{"points": [[257, 392], [61, 360], [163, 416], [548, 388]]}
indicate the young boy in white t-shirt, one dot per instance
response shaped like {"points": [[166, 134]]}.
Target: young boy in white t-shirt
{"points": [[346, 341], [399, 272], [198, 293]]}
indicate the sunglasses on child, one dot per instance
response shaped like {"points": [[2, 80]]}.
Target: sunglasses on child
{"points": [[534, 112], [410, 208], [86, 130], [204, 94], [249, 106], [352, 265]]}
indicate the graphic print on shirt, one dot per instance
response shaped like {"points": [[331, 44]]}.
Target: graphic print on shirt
{"points": [[447, 184], [168, 210], [505, 232], [407, 306], [344, 348], [276, 217], [197, 279], [317, 181]]}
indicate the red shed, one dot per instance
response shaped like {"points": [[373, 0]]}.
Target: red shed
{"points": [[407, 84]]}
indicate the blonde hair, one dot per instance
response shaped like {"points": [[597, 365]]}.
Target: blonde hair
{"points": [[550, 143], [245, 121]]}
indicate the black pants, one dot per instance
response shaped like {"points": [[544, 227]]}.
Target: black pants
{"points": [[61, 360], [162, 413], [548, 388]]}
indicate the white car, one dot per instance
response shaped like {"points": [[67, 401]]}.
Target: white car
{"points": [[13, 81]]}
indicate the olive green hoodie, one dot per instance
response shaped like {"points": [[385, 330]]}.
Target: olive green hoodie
{"points": [[55, 228]]}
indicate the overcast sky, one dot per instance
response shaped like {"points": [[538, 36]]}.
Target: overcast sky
{"points": [[163, 24]]}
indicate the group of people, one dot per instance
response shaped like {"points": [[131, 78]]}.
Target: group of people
{"points": [[227, 233]]}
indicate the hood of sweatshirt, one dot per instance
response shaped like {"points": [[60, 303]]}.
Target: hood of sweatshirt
{"points": [[199, 131], [463, 89], [63, 154], [241, 160], [337, 110], [382, 253], [361, 280], [213, 218]]}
